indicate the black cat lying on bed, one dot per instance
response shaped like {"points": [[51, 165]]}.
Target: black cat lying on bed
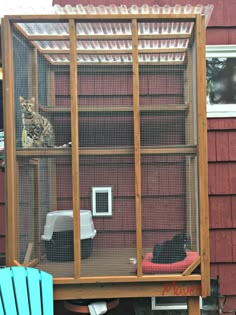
{"points": [[170, 251]]}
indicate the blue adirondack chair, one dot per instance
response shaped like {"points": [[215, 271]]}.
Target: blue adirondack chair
{"points": [[25, 291]]}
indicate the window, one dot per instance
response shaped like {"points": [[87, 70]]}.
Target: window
{"points": [[102, 201], [172, 303], [221, 80]]}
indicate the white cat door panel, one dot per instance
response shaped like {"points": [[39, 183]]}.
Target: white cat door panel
{"points": [[102, 201]]}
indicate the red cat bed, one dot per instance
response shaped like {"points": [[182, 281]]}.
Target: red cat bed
{"points": [[177, 267]]}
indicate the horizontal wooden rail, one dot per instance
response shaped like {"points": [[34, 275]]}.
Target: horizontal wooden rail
{"points": [[115, 279], [53, 152], [115, 18], [128, 51], [170, 150], [143, 108], [58, 37], [129, 289], [143, 63]]}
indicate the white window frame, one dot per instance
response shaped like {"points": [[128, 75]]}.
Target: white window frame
{"points": [[157, 306], [96, 190], [221, 110]]}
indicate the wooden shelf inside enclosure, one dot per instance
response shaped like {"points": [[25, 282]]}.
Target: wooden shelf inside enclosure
{"points": [[145, 108], [53, 152]]}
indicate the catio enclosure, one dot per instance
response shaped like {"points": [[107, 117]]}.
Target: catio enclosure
{"points": [[124, 93]]}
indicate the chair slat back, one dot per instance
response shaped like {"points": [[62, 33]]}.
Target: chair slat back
{"points": [[19, 278], [7, 292], [34, 292], [1, 309], [25, 291], [47, 293]]}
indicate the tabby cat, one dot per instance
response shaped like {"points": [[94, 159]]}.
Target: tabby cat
{"points": [[37, 130], [170, 251]]}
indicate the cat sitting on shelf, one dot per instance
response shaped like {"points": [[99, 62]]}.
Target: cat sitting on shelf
{"points": [[170, 251], [37, 130]]}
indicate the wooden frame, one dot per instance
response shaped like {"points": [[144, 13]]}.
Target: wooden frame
{"points": [[137, 153], [75, 147], [112, 286], [202, 155], [11, 231]]}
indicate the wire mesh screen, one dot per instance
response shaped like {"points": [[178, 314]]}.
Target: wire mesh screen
{"points": [[169, 208], [57, 239], [107, 252], [28, 234], [106, 158], [168, 171], [162, 119], [22, 78], [43, 142]]}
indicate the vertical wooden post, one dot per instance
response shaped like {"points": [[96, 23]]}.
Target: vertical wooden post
{"points": [[52, 169], [202, 154], [33, 84], [10, 152], [137, 154], [75, 146], [35, 76], [37, 221], [51, 99], [193, 305], [191, 224], [188, 96]]}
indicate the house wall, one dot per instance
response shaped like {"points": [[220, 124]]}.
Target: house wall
{"points": [[222, 157], [222, 202], [222, 168]]}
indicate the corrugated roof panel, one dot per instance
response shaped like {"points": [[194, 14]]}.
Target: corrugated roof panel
{"points": [[103, 28], [164, 28], [95, 45], [63, 45], [59, 58], [125, 28], [45, 28], [113, 9], [122, 58], [172, 38], [134, 9]]}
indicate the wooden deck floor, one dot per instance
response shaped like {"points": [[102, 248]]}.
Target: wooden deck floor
{"points": [[102, 262]]}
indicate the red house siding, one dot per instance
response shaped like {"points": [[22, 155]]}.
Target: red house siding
{"points": [[222, 203]]}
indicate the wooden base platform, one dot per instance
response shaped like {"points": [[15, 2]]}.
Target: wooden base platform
{"points": [[102, 262]]}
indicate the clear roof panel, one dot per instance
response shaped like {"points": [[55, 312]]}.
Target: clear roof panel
{"points": [[170, 38], [45, 28], [111, 9], [134, 9], [84, 45]]}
